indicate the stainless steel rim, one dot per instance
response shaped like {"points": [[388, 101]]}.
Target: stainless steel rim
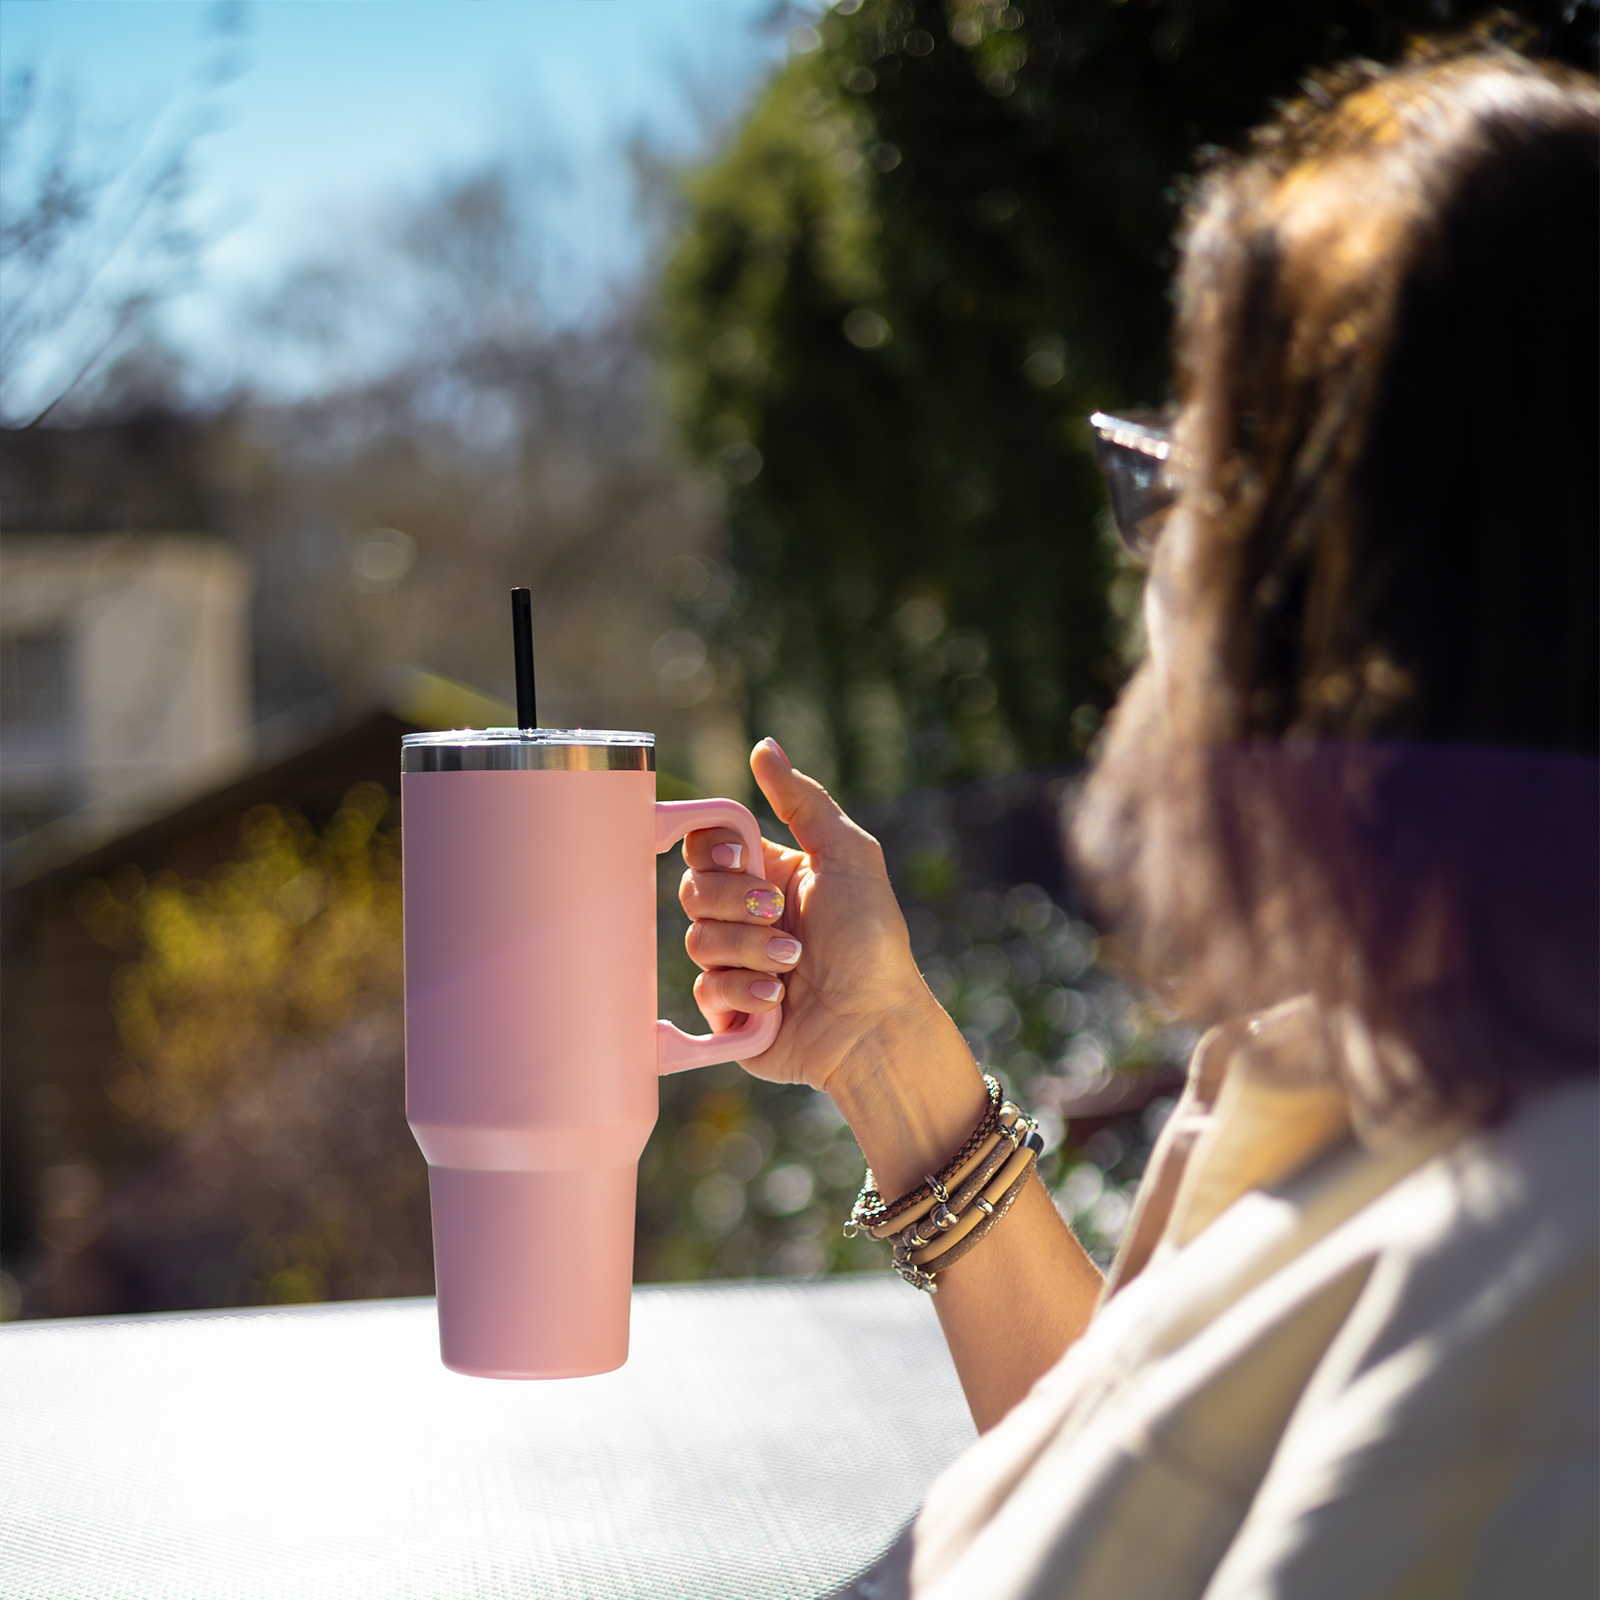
{"points": [[528, 750]]}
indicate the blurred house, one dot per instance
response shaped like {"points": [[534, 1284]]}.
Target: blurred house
{"points": [[124, 627], [124, 675]]}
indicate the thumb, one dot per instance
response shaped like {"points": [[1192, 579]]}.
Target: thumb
{"points": [[803, 806]]}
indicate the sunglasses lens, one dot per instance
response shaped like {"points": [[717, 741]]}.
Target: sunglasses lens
{"points": [[1134, 456]]}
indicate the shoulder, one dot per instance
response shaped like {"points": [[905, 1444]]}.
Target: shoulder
{"points": [[1385, 1363]]}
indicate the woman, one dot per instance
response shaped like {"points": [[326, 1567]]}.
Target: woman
{"points": [[1346, 814]]}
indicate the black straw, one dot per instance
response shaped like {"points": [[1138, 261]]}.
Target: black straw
{"points": [[522, 650]]}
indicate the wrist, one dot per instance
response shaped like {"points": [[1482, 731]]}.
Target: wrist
{"points": [[910, 1091]]}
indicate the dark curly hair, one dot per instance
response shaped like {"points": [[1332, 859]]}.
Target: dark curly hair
{"points": [[1358, 760]]}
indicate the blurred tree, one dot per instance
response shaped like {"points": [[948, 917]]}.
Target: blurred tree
{"points": [[940, 239], [93, 230], [421, 438]]}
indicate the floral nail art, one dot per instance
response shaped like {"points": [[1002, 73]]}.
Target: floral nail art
{"points": [[765, 903]]}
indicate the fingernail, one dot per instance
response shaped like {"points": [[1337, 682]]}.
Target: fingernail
{"points": [[784, 950], [767, 903], [777, 750], [766, 989], [728, 855]]}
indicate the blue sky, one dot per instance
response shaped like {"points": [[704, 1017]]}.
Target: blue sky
{"points": [[342, 104]]}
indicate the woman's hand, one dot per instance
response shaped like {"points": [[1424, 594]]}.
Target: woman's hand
{"points": [[818, 930], [818, 927]]}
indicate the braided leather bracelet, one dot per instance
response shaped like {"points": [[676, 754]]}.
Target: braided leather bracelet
{"points": [[871, 1215]]}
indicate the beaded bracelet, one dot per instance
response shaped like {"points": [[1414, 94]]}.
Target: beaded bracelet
{"points": [[951, 1211]]}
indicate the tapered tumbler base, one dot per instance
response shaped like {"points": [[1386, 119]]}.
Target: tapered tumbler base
{"points": [[533, 1270]]}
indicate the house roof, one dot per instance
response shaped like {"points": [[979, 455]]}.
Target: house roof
{"points": [[310, 772]]}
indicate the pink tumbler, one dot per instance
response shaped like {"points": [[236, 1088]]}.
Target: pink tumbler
{"points": [[532, 1045]]}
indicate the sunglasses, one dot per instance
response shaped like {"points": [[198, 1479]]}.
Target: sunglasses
{"points": [[1134, 452]]}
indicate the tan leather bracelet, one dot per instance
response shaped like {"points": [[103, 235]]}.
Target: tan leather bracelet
{"points": [[1019, 1130], [910, 1217], [995, 1156], [925, 1276], [982, 1207], [949, 1257], [969, 1180]]}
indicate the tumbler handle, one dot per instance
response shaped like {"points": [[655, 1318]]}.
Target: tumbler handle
{"points": [[676, 1051]]}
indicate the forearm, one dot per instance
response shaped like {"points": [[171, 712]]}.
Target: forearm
{"points": [[1010, 1308], [911, 1093]]}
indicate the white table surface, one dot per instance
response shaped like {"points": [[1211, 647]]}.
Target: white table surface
{"points": [[763, 1440]]}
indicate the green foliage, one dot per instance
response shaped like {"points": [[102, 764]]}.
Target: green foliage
{"points": [[294, 940], [259, 1010], [939, 241]]}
